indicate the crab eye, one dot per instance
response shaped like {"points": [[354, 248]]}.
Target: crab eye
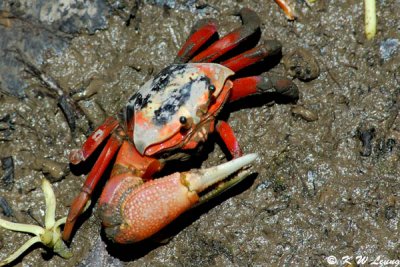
{"points": [[183, 120], [211, 88], [186, 122]]}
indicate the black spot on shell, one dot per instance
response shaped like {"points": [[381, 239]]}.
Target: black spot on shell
{"points": [[178, 97], [163, 78], [159, 83], [175, 99], [138, 101]]}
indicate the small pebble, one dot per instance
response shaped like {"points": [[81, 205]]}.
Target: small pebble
{"points": [[263, 186], [304, 113], [301, 64], [54, 171], [390, 212], [366, 136], [4, 126], [388, 48]]}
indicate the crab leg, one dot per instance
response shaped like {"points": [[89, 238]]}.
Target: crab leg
{"points": [[138, 212], [201, 32], [228, 137], [252, 56], [261, 84], [79, 203], [251, 22], [93, 141]]}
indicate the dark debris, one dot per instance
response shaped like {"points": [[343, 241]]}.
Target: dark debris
{"points": [[7, 180], [366, 136], [6, 208]]}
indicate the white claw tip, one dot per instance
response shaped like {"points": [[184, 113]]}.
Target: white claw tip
{"points": [[249, 158], [218, 173]]}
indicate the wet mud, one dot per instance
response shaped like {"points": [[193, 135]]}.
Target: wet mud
{"points": [[327, 180]]}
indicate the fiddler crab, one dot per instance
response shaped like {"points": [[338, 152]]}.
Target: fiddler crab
{"points": [[169, 116]]}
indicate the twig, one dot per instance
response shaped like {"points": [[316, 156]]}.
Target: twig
{"points": [[287, 9]]}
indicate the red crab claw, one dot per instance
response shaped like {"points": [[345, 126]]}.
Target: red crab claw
{"points": [[132, 212]]}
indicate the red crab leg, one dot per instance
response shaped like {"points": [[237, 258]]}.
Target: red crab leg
{"points": [[228, 137], [201, 32], [251, 22], [260, 84], [289, 12], [99, 167], [252, 56], [93, 141]]}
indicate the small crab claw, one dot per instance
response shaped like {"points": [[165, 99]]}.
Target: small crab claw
{"points": [[132, 213]]}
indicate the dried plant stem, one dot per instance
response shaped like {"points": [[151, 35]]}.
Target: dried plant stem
{"points": [[370, 18]]}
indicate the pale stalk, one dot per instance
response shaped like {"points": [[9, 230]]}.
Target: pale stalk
{"points": [[22, 227], [20, 251], [60, 222], [50, 200], [370, 18], [50, 236]]}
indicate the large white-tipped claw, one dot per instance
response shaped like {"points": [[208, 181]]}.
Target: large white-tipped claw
{"points": [[202, 179]]}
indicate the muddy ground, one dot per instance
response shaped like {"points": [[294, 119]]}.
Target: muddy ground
{"points": [[326, 182]]}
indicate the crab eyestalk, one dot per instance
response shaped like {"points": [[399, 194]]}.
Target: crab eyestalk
{"points": [[49, 236], [131, 213]]}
